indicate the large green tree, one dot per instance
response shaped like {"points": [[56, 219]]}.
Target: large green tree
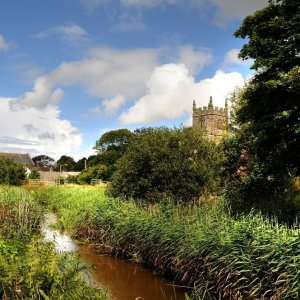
{"points": [[113, 140], [177, 163], [269, 106], [65, 163], [110, 147], [43, 161]]}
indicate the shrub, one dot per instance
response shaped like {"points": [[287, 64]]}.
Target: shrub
{"points": [[162, 162], [11, 173]]}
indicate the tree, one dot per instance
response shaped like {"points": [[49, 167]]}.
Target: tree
{"points": [[95, 172], [269, 107], [160, 162], [110, 147], [43, 161], [80, 165], [114, 140], [65, 163], [11, 173]]}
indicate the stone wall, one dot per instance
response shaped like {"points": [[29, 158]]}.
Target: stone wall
{"points": [[212, 121]]}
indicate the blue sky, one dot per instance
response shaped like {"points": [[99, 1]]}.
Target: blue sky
{"points": [[73, 69]]}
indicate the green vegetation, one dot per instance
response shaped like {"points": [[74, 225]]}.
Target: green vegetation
{"points": [[29, 267], [247, 257], [11, 173], [167, 163], [34, 174], [65, 163], [266, 144], [43, 161]]}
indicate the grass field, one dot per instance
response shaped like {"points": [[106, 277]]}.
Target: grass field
{"points": [[245, 257]]}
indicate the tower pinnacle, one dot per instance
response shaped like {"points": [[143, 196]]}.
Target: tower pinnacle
{"points": [[210, 104], [194, 104], [226, 104]]}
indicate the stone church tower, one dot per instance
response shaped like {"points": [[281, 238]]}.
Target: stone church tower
{"points": [[213, 121]]}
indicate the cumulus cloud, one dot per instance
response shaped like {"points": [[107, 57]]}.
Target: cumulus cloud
{"points": [[171, 90], [3, 44], [85, 153], [231, 57], [36, 131], [194, 59], [106, 73], [111, 106], [41, 96]]}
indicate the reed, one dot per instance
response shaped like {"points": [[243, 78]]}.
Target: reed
{"points": [[202, 246], [29, 267]]}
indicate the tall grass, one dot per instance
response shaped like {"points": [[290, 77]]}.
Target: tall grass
{"points": [[29, 267], [246, 257]]}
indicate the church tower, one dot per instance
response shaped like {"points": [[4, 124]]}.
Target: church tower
{"points": [[212, 121]]}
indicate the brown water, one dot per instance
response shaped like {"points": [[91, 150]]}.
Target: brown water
{"points": [[122, 279]]}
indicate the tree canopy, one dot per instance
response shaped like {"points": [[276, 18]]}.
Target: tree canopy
{"points": [[65, 163], [43, 161], [114, 140], [176, 163], [110, 147], [268, 108]]}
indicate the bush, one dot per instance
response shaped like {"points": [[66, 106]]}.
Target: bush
{"points": [[166, 163], [34, 174], [95, 172], [11, 173]]}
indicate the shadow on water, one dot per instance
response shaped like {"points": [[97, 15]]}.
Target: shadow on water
{"points": [[122, 279]]}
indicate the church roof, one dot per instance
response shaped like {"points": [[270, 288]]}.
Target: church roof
{"points": [[19, 158]]}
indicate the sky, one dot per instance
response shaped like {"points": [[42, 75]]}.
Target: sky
{"points": [[73, 69]]}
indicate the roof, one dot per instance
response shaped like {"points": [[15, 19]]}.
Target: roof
{"points": [[19, 158]]}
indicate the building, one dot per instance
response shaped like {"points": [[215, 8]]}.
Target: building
{"points": [[212, 121], [20, 158]]}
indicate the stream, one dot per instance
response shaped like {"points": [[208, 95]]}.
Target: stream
{"points": [[122, 279]]}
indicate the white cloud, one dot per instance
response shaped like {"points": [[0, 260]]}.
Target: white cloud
{"points": [[142, 3], [71, 32], [111, 106], [36, 131], [105, 74], [92, 4], [171, 90], [231, 57], [85, 153], [27, 71], [125, 26], [193, 59], [3, 44], [225, 10], [41, 96], [233, 9]]}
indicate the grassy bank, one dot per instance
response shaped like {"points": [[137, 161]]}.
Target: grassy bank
{"points": [[248, 257], [29, 267]]}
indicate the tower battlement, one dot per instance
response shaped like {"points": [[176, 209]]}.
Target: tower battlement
{"points": [[212, 121]]}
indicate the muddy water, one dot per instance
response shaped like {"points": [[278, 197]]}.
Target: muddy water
{"points": [[122, 279]]}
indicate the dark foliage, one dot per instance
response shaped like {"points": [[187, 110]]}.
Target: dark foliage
{"points": [[162, 162]]}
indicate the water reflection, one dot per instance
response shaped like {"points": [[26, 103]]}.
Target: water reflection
{"points": [[62, 242], [127, 281], [122, 279]]}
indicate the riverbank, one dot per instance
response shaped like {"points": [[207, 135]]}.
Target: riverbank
{"points": [[30, 268], [247, 257]]}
